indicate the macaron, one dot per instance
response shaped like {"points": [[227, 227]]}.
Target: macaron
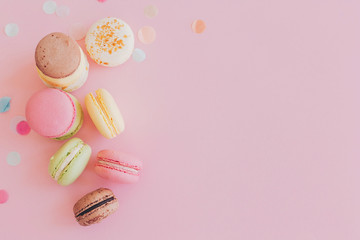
{"points": [[110, 42], [54, 114], [67, 164], [95, 206], [60, 62], [104, 113], [117, 166]]}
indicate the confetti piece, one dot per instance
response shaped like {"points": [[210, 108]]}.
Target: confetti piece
{"points": [[138, 55], [101, 1], [49, 7], [198, 26], [147, 35], [13, 158], [11, 29], [23, 128], [4, 196], [4, 104], [15, 121], [77, 31], [151, 11], [62, 11]]}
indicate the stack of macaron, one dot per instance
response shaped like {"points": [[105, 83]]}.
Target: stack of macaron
{"points": [[55, 113]]}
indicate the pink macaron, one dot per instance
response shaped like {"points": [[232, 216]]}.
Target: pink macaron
{"points": [[117, 166], [54, 113]]}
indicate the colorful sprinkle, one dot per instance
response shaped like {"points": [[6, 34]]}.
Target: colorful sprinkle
{"points": [[62, 11], [49, 7], [138, 55], [147, 35], [4, 196], [4, 104], [151, 11], [77, 31], [13, 158], [23, 128], [198, 26], [11, 29]]}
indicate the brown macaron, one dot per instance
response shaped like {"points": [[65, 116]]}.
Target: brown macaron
{"points": [[57, 55], [95, 206]]}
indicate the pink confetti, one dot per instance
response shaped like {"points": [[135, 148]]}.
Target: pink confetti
{"points": [[23, 128], [198, 26], [4, 196], [15, 121], [101, 1]]}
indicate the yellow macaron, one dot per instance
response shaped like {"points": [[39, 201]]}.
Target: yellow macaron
{"points": [[104, 113]]}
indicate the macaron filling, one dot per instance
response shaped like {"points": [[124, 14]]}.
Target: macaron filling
{"points": [[105, 114], [97, 205], [67, 161], [119, 166]]}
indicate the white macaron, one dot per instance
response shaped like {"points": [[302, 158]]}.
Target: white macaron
{"points": [[110, 42]]}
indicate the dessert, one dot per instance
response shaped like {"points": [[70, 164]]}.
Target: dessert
{"points": [[67, 164], [110, 42], [118, 166], [54, 114], [60, 62], [95, 206], [104, 113]]}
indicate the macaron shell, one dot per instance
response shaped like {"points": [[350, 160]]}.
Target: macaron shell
{"points": [[90, 198], [61, 153], [77, 123], [51, 112], [113, 174], [120, 156], [57, 55], [76, 167], [112, 108], [69, 83], [97, 118], [110, 42]]}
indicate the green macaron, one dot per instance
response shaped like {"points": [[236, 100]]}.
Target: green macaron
{"points": [[67, 164]]}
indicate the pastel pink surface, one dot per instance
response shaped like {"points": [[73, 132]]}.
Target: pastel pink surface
{"points": [[250, 130], [121, 159], [50, 112]]}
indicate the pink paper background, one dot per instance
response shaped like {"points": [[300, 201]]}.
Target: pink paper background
{"points": [[250, 130]]}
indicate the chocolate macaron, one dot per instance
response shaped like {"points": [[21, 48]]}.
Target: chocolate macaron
{"points": [[60, 62], [95, 206]]}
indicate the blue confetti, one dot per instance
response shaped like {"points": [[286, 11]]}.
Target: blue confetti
{"points": [[138, 55], [4, 104]]}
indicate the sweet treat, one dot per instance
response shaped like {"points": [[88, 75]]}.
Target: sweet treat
{"points": [[60, 62], [69, 161], [118, 166], [110, 42], [95, 206], [54, 114], [105, 113]]}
